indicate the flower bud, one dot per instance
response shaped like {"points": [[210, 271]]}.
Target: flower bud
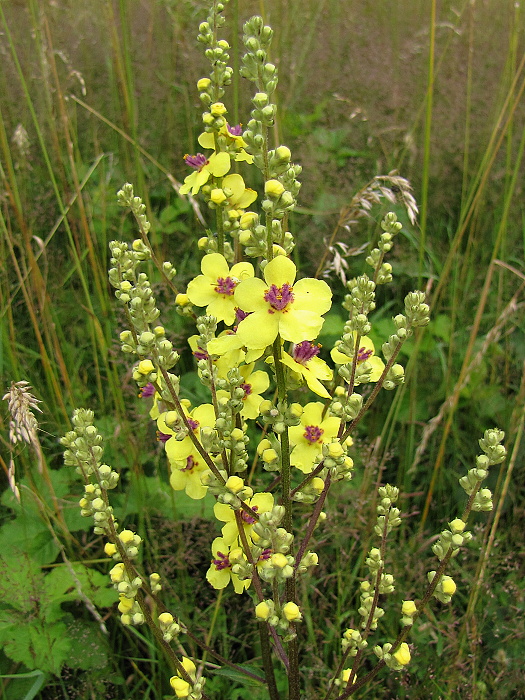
{"points": [[402, 655], [292, 612], [234, 484], [273, 189], [262, 611], [217, 109]]}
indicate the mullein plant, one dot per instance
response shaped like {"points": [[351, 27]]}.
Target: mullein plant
{"points": [[257, 320]]}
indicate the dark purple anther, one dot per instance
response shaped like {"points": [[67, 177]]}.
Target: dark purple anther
{"points": [[225, 285], [304, 351], [247, 388], [279, 297], [194, 424], [313, 433], [363, 355], [222, 561], [198, 161], [162, 437]]}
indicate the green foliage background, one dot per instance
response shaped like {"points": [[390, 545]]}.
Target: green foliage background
{"points": [[105, 93]]}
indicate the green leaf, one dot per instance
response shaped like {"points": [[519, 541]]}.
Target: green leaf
{"points": [[60, 586], [239, 677], [89, 648], [37, 645]]}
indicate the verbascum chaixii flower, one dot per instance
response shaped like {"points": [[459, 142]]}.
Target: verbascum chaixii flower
{"points": [[233, 193], [278, 306], [229, 344], [310, 435], [181, 687], [365, 354], [260, 503], [217, 165], [220, 572], [215, 288], [186, 464], [313, 369], [230, 139], [254, 384]]}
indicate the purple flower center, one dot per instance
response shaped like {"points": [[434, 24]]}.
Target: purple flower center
{"points": [[190, 463], [248, 518], [304, 351], [363, 355], [147, 391], [162, 437], [226, 285], [197, 162], [313, 433], [222, 561], [234, 130], [279, 297], [194, 424], [247, 388]]}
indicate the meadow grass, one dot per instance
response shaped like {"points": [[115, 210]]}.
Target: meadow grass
{"points": [[103, 93]]}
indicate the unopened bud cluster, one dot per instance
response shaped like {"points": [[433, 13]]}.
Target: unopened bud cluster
{"points": [[169, 627], [387, 514], [281, 415], [396, 660], [131, 613], [212, 89], [494, 453], [451, 539], [383, 271]]}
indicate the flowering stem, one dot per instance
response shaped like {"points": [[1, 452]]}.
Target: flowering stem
{"points": [[374, 393], [312, 522], [265, 647], [200, 449]]}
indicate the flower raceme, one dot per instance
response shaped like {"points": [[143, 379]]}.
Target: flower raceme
{"points": [[280, 306]]}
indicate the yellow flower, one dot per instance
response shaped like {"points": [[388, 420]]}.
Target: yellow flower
{"points": [[230, 139], [217, 165], [220, 572], [304, 361], [310, 435], [364, 354], [262, 610], [186, 464], [215, 288], [260, 503], [277, 306]]}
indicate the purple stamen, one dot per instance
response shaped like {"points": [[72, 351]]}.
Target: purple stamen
{"points": [[266, 554], [247, 388], [197, 162], [240, 315], [147, 391], [194, 424], [313, 433], [304, 351], [234, 130], [279, 297], [363, 355], [226, 285], [222, 561], [162, 437], [190, 463], [248, 518], [200, 354]]}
